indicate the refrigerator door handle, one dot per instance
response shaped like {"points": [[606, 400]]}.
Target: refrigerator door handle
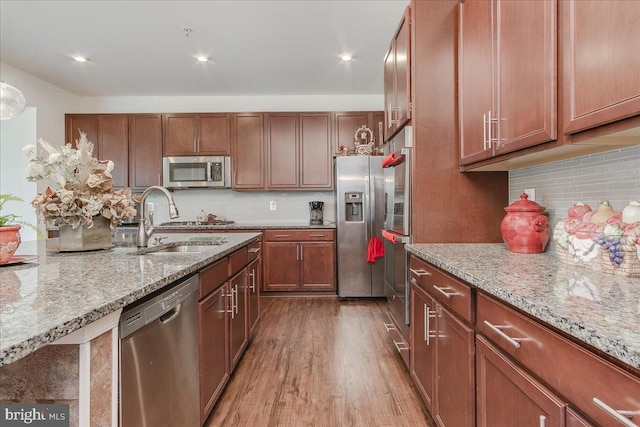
{"points": [[372, 206], [366, 209]]}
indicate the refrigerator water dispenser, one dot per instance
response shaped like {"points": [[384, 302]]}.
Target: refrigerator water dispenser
{"points": [[353, 207]]}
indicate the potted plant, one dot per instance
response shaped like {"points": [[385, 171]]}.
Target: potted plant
{"points": [[10, 225]]}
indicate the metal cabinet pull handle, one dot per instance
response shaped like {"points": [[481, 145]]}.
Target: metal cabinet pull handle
{"points": [[621, 416], [484, 131], [400, 346], [254, 250], [498, 330], [236, 299], [301, 253], [389, 327], [428, 314], [444, 292], [543, 421], [420, 272], [195, 145], [230, 294], [281, 235], [316, 235], [252, 287]]}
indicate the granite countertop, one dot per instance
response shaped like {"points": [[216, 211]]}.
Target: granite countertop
{"points": [[248, 226], [58, 293], [599, 309]]}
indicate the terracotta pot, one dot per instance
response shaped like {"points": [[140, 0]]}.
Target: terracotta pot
{"points": [[9, 242], [525, 229]]}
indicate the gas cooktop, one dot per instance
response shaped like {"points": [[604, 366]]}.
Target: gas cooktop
{"points": [[193, 223]]}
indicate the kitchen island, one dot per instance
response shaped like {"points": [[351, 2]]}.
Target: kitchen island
{"points": [[74, 300]]}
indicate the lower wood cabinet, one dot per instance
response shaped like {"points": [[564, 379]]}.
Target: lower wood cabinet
{"points": [[254, 279], [423, 313], [507, 393], [238, 307], [296, 260]]}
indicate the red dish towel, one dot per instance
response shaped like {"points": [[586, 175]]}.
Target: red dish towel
{"points": [[375, 249], [387, 160]]}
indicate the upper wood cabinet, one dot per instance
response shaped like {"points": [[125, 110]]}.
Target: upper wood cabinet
{"points": [[109, 135], [247, 158], [507, 76], [601, 62], [397, 81], [197, 134], [299, 150], [346, 124], [145, 151]]}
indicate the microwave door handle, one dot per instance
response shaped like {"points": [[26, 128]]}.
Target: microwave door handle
{"points": [[209, 171]]}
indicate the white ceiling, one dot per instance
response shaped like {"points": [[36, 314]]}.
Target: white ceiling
{"points": [[139, 48]]}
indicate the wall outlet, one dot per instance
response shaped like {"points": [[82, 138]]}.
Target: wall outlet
{"points": [[531, 192], [150, 206], [273, 205]]}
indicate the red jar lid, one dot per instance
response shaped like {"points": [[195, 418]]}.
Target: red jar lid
{"points": [[524, 205]]}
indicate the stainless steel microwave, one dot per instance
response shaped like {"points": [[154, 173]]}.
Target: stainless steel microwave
{"points": [[196, 172]]}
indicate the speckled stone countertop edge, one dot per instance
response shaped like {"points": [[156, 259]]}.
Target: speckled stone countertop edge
{"points": [[541, 312], [27, 346], [160, 228]]}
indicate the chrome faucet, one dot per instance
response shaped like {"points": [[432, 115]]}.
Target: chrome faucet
{"points": [[145, 231]]}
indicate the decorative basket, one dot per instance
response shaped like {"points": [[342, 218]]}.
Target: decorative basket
{"points": [[609, 247], [364, 149]]}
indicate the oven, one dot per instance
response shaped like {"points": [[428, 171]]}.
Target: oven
{"points": [[397, 232]]}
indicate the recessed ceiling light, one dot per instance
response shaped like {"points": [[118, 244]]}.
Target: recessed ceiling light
{"points": [[202, 58], [346, 57], [80, 58]]}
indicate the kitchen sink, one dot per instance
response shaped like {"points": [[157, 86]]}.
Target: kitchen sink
{"points": [[183, 248]]}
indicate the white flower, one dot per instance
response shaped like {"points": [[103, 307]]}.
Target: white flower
{"points": [[35, 171], [67, 196], [28, 150], [110, 166], [55, 158], [94, 180]]}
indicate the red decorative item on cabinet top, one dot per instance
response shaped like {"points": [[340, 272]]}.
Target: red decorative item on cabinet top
{"points": [[525, 229]]}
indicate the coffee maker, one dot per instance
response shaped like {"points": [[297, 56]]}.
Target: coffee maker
{"points": [[316, 213]]}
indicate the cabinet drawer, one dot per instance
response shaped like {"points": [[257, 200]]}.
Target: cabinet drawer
{"points": [[595, 386], [448, 291], [213, 276], [254, 250], [398, 339], [297, 235], [238, 260]]}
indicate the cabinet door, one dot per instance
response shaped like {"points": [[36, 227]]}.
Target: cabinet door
{"points": [[113, 144], [282, 151], [475, 79], [238, 330], [402, 112], [346, 125], [214, 348], [145, 150], [253, 302], [318, 265], [526, 73], [180, 133], [281, 266], [87, 123], [423, 327], [214, 138], [601, 59], [248, 151], [389, 90], [509, 396], [455, 379], [316, 161]]}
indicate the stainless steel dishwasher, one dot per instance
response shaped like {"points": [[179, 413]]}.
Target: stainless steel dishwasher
{"points": [[159, 372]]}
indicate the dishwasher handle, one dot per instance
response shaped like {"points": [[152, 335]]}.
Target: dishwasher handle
{"points": [[171, 314]]}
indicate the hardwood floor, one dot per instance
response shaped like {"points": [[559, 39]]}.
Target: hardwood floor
{"points": [[320, 362]]}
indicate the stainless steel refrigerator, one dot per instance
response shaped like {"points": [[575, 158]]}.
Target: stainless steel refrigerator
{"points": [[360, 205]]}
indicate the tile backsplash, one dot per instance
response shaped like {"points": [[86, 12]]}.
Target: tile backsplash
{"points": [[612, 175]]}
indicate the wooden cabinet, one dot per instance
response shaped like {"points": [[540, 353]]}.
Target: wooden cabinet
{"points": [[507, 76], [254, 278], [238, 329], [299, 260], [299, 151], [397, 79], [145, 151], [197, 134], [346, 124], [601, 59], [593, 386], [508, 395], [247, 155], [443, 344], [214, 349]]}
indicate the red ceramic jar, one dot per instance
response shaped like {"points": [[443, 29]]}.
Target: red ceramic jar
{"points": [[525, 229]]}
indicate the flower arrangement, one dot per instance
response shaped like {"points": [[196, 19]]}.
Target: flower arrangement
{"points": [[80, 187]]}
